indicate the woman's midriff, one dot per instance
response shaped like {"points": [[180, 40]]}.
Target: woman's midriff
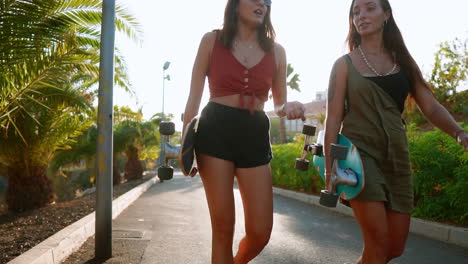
{"points": [[234, 101]]}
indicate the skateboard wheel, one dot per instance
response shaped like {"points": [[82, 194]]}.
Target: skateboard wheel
{"points": [[317, 149], [165, 173], [166, 128], [302, 164], [308, 130], [338, 152], [314, 149], [328, 199]]}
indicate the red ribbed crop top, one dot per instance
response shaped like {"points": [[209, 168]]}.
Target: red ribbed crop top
{"points": [[227, 76]]}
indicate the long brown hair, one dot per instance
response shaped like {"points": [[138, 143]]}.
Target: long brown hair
{"points": [[266, 33], [393, 41]]}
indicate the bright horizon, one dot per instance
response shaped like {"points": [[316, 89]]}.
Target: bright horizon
{"points": [[313, 34]]}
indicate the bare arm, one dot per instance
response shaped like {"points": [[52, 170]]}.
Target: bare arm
{"points": [[293, 110], [437, 114], [199, 72], [335, 109], [279, 81]]}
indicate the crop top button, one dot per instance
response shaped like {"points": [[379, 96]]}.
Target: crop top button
{"points": [[246, 86], [246, 79]]}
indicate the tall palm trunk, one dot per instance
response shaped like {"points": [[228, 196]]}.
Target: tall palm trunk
{"points": [[282, 130], [133, 168], [28, 189], [116, 179]]}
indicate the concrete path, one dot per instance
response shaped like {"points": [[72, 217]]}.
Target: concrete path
{"points": [[170, 224]]}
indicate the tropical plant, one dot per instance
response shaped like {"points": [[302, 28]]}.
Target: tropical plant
{"points": [[133, 141], [80, 149], [157, 118], [440, 176], [49, 56], [123, 113], [449, 73], [450, 68], [26, 156], [81, 154], [132, 138], [292, 81], [286, 176]]}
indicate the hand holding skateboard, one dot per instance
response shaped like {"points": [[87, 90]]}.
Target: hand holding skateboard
{"points": [[347, 174], [187, 159]]}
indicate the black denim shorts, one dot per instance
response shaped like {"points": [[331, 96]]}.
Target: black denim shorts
{"points": [[235, 135]]}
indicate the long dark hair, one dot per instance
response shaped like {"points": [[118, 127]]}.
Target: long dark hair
{"points": [[393, 41], [266, 33]]}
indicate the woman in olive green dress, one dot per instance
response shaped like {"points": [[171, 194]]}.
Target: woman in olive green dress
{"points": [[367, 92]]}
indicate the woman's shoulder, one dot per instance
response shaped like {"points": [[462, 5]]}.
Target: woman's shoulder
{"points": [[278, 48], [350, 56], [340, 66], [210, 37], [279, 52], [341, 62], [208, 42], [279, 55]]}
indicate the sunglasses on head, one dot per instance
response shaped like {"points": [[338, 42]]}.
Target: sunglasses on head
{"points": [[267, 2]]}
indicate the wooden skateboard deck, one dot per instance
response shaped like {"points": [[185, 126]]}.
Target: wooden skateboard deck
{"points": [[187, 159]]}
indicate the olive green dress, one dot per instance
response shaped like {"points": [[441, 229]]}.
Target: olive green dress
{"points": [[373, 123]]}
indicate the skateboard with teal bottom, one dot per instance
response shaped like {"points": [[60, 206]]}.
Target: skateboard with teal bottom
{"points": [[347, 175]]}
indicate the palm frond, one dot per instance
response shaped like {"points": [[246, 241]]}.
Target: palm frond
{"points": [[49, 61]]}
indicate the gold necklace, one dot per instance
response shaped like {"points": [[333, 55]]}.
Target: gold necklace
{"points": [[372, 68], [240, 46], [245, 44]]}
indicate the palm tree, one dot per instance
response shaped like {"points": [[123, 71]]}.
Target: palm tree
{"points": [[292, 81], [81, 149], [49, 55], [53, 120], [133, 138], [123, 113]]}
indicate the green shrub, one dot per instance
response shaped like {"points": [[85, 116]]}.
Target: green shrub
{"points": [[286, 176], [67, 182], [440, 173], [458, 102]]}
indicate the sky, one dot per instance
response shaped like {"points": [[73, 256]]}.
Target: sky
{"points": [[312, 32]]}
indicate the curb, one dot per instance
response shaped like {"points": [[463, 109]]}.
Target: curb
{"points": [[449, 234], [59, 246]]}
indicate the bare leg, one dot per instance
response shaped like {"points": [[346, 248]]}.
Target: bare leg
{"points": [[255, 185], [372, 219], [398, 229], [218, 179]]}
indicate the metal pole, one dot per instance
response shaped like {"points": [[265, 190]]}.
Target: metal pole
{"points": [[164, 80], [161, 155], [103, 240]]}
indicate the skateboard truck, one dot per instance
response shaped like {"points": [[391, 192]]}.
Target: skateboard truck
{"points": [[316, 149], [339, 176], [165, 171]]}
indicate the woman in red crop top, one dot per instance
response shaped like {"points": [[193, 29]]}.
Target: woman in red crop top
{"points": [[242, 63]]}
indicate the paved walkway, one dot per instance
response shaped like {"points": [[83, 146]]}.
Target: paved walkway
{"points": [[170, 224]]}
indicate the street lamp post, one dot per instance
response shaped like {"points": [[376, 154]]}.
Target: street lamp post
{"points": [[103, 223], [163, 149], [165, 77]]}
